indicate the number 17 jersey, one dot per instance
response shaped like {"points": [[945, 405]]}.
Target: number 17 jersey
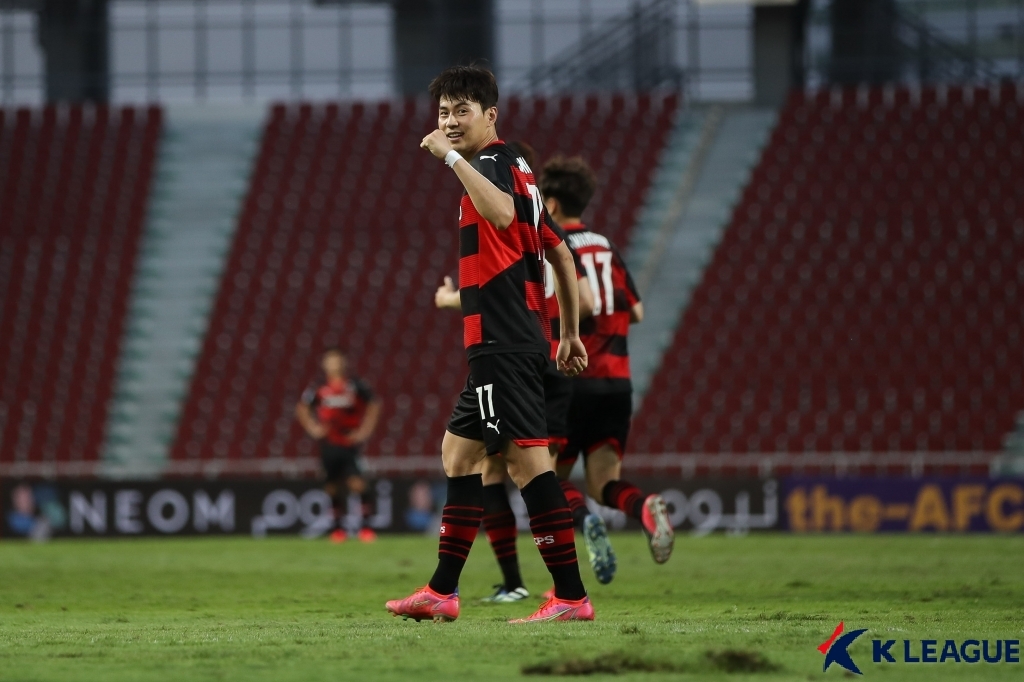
{"points": [[501, 272], [605, 333]]}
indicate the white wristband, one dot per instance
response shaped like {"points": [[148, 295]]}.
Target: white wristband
{"points": [[451, 157]]}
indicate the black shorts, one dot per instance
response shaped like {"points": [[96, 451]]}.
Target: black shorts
{"points": [[597, 419], [503, 401], [557, 397], [340, 461]]}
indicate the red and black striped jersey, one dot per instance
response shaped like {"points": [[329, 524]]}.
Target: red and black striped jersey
{"points": [[340, 405], [501, 272], [604, 333], [549, 287]]}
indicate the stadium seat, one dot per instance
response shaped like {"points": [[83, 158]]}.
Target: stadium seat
{"points": [[866, 294], [74, 181], [347, 230]]}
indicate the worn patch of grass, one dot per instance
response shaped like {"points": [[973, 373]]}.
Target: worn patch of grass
{"points": [[615, 663], [741, 661]]}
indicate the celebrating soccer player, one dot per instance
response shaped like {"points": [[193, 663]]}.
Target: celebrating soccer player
{"points": [[502, 239], [346, 415], [602, 402], [499, 519]]}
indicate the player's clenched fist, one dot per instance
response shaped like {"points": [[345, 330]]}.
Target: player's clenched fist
{"points": [[437, 144], [571, 357], [447, 296]]}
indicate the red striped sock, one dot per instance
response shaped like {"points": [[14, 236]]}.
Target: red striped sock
{"points": [[624, 496], [460, 521], [500, 526], [551, 523], [577, 502]]}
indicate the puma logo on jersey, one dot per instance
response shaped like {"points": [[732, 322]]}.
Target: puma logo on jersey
{"points": [[494, 425], [493, 157]]}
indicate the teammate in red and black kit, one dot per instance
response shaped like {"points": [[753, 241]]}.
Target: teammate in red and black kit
{"points": [[502, 241], [341, 413], [499, 519], [602, 402]]}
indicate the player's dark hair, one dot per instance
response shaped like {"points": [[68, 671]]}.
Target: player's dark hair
{"points": [[469, 83], [332, 350], [571, 181], [524, 150]]}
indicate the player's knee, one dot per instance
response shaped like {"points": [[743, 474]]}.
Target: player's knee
{"points": [[356, 485], [525, 464], [461, 456]]}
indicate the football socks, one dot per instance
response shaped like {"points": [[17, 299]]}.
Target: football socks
{"points": [[551, 523], [500, 526], [460, 521], [624, 496]]}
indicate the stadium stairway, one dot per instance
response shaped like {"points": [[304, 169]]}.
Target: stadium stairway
{"points": [[202, 175], [1013, 464], [706, 167]]}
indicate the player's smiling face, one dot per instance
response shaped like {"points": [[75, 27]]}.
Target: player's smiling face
{"points": [[467, 126]]}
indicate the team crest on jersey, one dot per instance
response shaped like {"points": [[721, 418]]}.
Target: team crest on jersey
{"points": [[339, 400]]}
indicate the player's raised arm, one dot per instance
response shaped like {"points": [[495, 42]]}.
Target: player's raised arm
{"points": [[494, 205], [466, 118], [572, 355]]}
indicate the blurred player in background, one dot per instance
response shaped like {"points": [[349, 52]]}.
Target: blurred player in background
{"points": [[341, 413], [602, 400], [499, 519], [502, 239]]}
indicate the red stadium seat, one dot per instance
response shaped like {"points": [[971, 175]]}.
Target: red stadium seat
{"points": [[865, 270], [74, 182]]}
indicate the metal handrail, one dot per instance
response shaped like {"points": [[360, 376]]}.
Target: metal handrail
{"points": [[629, 51], [930, 50]]}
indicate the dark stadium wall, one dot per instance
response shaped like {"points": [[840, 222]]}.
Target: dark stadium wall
{"points": [[74, 37], [864, 44], [779, 33], [433, 34]]}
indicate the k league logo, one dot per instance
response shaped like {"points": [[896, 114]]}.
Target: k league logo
{"points": [[968, 651]]}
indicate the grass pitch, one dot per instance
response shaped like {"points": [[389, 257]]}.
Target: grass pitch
{"points": [[724, 608]]}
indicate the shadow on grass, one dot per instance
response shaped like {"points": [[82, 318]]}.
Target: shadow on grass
{"points": [[617, 663]]}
